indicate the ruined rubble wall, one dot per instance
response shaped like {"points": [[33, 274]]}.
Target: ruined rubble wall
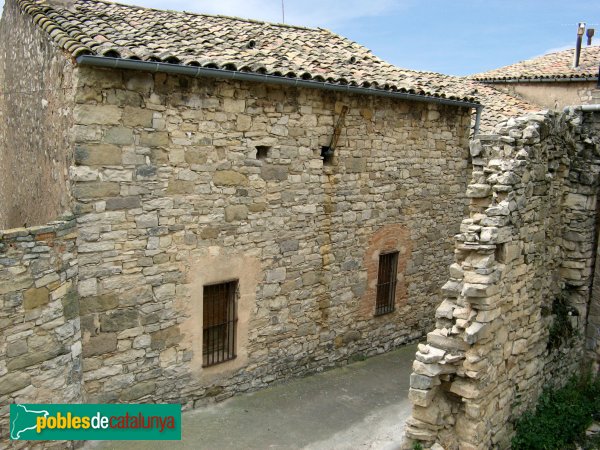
{"points": [[525, 250], [35, 118], [171, 196], [592, 124], [40, 339]]}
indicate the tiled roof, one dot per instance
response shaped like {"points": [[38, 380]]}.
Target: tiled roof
{"points": [[96, 27], [498, 106], [550, 66]]}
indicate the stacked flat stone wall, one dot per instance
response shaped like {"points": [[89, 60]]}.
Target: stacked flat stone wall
{"points": [[40, 339], [592, 124], [171, 194], [524, 261], [36, 97]]}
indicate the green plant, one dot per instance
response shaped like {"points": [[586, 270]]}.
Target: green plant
{"points": [[560, 418], [417, 446]]}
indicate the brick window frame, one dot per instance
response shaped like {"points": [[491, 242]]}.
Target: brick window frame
{"points": [[387, 280], [387, 239]]}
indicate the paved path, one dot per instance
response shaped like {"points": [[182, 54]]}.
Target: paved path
{"points": [[360, 406]]}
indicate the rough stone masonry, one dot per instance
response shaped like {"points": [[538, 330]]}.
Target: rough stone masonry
{"points": [[171, 194], [175, 183], [524, 261]]}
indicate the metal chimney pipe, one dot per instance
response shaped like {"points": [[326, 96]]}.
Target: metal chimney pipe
{"points": [[590, 34], [580, 30]]}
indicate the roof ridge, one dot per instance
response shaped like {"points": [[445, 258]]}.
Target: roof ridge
{"points": [[192, 13], [551, 65]]}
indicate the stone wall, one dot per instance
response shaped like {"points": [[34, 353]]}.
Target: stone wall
{"points": [[523, 266], [172, 194], [552, 95], [40, 339], [35, 117], [592, 124]]}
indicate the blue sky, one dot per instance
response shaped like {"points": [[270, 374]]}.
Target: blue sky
{"points": [[457, 37]]}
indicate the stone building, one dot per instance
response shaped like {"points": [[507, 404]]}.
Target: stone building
{"points": [[198, 205], [193, 206], [550, 80]]}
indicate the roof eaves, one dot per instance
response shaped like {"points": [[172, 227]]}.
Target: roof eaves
{"points": [[340, 86], [540, 79]]}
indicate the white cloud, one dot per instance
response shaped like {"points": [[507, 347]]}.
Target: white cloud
{"points": [[312, 13]]}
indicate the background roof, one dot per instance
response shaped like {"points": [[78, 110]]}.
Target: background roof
{"points": [[553, 65]]}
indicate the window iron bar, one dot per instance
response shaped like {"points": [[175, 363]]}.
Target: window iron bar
{"points": [[387, 280], [219, 323]]}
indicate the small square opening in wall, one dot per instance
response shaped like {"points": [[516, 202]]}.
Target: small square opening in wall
{"points": [[263, 151], [327, 155]]}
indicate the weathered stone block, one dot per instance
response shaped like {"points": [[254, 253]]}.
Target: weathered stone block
{"points": [[118, 136], [351, 336], [445, 310], [138, 390], [12, 382], [355, 165], [432, 369], [96, 114], [418, 381], [180, 187], [148, 220], [164, 291], [276, 275], [479, 290], [95, 189], [15, 284], [289, 246], [478, 190], [421, 397], [88, 287], [154, 139], [452, 288], [274, 172], [98, 155], [465, 388], [236, 212], [437, 339], [475, 332], [229, 178], [16, 348], [70, 304], [164, 338], [100, 344], [234, 106], [119, 320], [50, 351], [475, 147], [99, 303], [35, 297], [430, 355], [129, 202]]}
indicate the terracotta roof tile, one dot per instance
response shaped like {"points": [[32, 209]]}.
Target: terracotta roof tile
{"points": [[96, 27], [552, 65]]}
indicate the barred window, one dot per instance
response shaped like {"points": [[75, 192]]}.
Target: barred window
{"points": [[387, 279], [219, 323]]}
